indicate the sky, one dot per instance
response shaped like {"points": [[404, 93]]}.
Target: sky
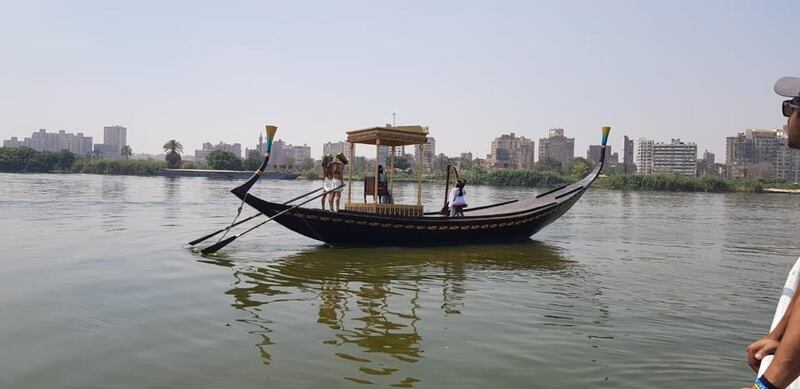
{"points": [[201, 71]]}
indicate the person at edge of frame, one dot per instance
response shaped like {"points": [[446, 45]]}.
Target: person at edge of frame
{"points": [[784, 339]]}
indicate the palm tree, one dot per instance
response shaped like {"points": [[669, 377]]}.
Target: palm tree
{"points": [[96, 154], [126, 151], [173, 148]]}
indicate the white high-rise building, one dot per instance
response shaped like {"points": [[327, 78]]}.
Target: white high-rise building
{"points": [[202, 154], [675, 157], [114, 138], [279, 153], [644, 156], [428, 153], [301, 154], [334, 148], [557, 147], [52, 141], [115, 135]]}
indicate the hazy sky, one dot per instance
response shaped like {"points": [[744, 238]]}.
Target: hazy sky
{"points": [[210, 71]]}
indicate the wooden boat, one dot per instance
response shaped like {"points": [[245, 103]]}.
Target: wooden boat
{"points": [[407, 225]]}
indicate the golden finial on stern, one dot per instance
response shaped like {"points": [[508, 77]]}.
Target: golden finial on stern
{"points": [[271, 130]]}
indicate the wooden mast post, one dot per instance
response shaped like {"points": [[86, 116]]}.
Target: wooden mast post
{"points": [[350, 168], [377, 163], [419, 175], [391, 169]]}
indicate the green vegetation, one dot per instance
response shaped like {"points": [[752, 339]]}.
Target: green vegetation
{"points": [[118, 166], [126, 151], [253, 160], [173, 148], [224, 160], [25, 159], [677, 183], [528, 178]]}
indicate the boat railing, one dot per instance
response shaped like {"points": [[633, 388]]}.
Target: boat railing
{"points": [[386, 209]]}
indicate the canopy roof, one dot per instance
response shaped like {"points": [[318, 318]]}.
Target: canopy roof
{"points": [[390, 136]]}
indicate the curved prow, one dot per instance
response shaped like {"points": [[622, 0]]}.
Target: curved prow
{"points": [[599, 168], [606, 131], [241, 190]]}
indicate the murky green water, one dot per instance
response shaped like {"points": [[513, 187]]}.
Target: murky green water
{"points": [[627, 290]]}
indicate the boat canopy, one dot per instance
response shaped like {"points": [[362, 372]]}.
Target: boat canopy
{"points": [[388, 136]]}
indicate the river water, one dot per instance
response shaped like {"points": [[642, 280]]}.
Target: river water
{"points": [[627, 290]]}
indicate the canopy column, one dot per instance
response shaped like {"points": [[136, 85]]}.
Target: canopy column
{"points": [[391, 170], [419, 174], [377, 164]]}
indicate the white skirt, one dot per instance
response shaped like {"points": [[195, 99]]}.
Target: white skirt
{"points": [[336, 185]]}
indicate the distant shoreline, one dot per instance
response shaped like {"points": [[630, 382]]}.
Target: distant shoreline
{"points": [[637, 183], [240, 174]]}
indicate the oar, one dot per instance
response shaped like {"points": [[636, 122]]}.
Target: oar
{"points": [[198, 240], [219, 245]]}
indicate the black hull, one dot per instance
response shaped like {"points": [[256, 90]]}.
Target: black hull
{"points": [[512, 222]]}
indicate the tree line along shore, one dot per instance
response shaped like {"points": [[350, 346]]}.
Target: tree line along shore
{"points": [[26, 160]]}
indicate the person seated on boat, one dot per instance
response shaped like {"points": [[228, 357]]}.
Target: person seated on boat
{"points": [[327, 175], [386, 198], [458, 199], [337, 182]]}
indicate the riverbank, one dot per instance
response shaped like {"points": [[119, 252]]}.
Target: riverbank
{"points": [[676, 183], [230, 174], [23, 160], [27, 160]]}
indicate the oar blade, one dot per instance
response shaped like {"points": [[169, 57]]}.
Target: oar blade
{"points": [[217, 246]]}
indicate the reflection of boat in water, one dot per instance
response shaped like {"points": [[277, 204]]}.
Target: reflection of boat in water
{"points": [[373, 302], [373, 223]]}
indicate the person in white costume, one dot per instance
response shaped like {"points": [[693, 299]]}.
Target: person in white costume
{"points": [[458, 199], [784, 339]]}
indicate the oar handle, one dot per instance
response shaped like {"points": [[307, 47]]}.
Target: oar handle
{"points": [[198, 240], [216, 247], [289, 209]]}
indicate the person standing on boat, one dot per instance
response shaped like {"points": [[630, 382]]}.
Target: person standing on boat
{"points": [[327, 174], [337, 183], [386, 198], [458, 199], [784, 340]]}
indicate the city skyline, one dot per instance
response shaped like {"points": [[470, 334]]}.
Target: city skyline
{"points": [[658, 70]]}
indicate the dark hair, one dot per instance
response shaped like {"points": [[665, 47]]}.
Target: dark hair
{"points": [[460, 185]]}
